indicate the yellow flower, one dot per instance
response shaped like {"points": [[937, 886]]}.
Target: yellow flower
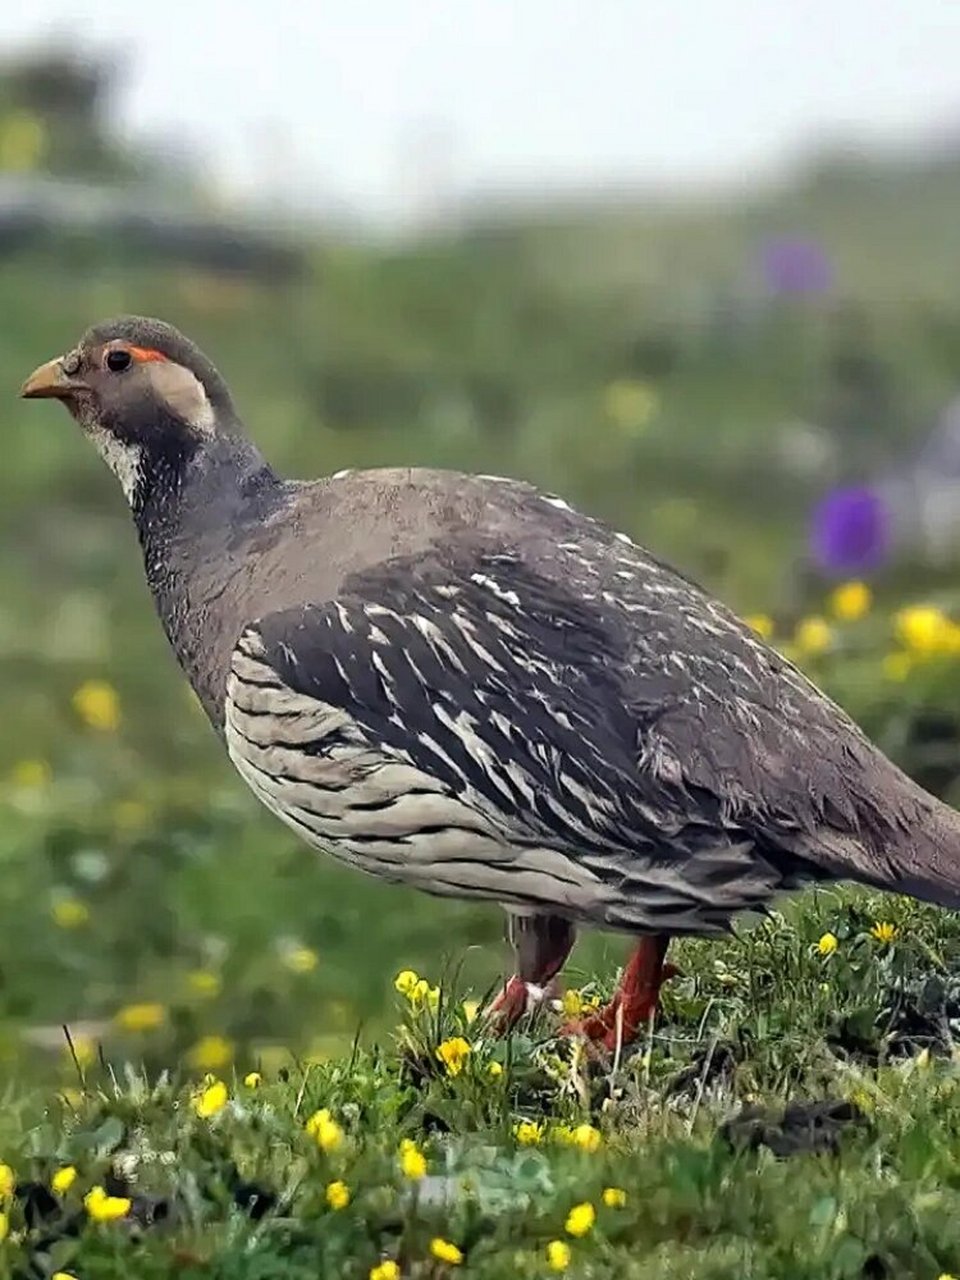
{"points": [[884, 932], [470, 1010], [84, 1050], [70, 913], [141, 1017], [325, 1129], [580, 1219], [405, 981], [253, 1080], [413, 1163], [897, 666], [812, 636], [421, 993], [211, 1053], [828, 944], [495, 1069], [528, 1133], [4, 1226], [614, 1197], [558, 1255], [587, 1138], [63, 1179], [385, 1271], [8, 1182], [97, 705], [204, 983], [104, 1208], [62, 1275], [445, 1251], [338, 1195], [761, 623], [630, 404], [453, 1054], [572, 1003], [851, 601], [31, 773], [925, 630], [212, 1100], [300, 959]]}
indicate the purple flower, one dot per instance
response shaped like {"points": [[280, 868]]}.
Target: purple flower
{"points": [[850, 531], [791, 265]]}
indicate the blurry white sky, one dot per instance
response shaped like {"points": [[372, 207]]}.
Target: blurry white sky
{"points": [[340, 101]]}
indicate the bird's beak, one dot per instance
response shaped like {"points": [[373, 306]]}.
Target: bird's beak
{"points": [[49, 382]]}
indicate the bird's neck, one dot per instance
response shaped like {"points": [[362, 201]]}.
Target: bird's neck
{"points": [[197, 519]]}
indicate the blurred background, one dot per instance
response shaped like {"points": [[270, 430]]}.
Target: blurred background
{"points": [[695, 267]]}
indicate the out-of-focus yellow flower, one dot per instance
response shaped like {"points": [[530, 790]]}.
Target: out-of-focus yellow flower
{"points": [[851, 601], [495, 1069], [558, 1255], [405, 981], [580, 1219], [97, 705], [23, 142], [300, 959], [528, 1133], [104, 1208], [884, 932], [326, 1131], [253, 1080], [31, 773], [453, 1053], [761, 623], [385, 1271], [62, 1275], [338, 1195], [202, 982], [4, 1226], [926, 631], [470, 1010], [211, 1100], [828, 944], [70, 913], [630, 404], [146, 1016], [211, 1053], [63, 1179], [413, 1163], [8, 1182], [130, 816], [897, 666], [587, 1138], [446, 1251], [422, 995], [812, 636], [614, 1197]]}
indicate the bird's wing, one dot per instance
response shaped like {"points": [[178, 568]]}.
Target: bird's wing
{"points": [[425, 706]]}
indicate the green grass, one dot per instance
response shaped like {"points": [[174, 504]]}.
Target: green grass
{"points": [[751, 1025]]}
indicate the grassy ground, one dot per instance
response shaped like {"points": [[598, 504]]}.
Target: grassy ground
{"points": [[794, 1113]]}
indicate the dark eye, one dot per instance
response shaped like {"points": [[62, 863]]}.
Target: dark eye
{"points": [[118, 360]]}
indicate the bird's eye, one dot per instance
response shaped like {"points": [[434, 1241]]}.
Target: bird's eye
{"points": [[118, 360]]}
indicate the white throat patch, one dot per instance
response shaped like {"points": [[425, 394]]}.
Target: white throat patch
{"points": [[124, 460]]}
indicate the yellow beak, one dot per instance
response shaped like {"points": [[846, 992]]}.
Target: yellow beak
{"points": [[48, 382]]}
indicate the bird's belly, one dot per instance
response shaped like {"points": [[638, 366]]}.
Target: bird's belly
{"points": [[382, 815]]}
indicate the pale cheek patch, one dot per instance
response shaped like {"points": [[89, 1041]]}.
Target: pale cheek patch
{"points": [[124, 460], [183, 393]]}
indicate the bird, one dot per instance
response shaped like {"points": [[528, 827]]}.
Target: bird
{"points": [[464, 684]]}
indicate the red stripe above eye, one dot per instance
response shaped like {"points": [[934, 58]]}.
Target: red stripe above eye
{"points": [[146, 353]]}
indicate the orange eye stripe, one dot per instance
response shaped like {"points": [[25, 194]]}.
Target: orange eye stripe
{"points": [[146, 353]]}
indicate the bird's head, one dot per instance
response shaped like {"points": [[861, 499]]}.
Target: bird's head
{"points": [[146, 396]]}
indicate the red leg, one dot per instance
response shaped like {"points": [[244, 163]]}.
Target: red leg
{"points": [[636, 999], [541, 945]]}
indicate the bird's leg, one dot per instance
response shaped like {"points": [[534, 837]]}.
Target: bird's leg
{"points": [[541, 945], [635, 1000]]}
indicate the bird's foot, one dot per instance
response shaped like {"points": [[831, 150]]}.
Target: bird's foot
{"points": [[517, 1000], [634, 1003]]}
